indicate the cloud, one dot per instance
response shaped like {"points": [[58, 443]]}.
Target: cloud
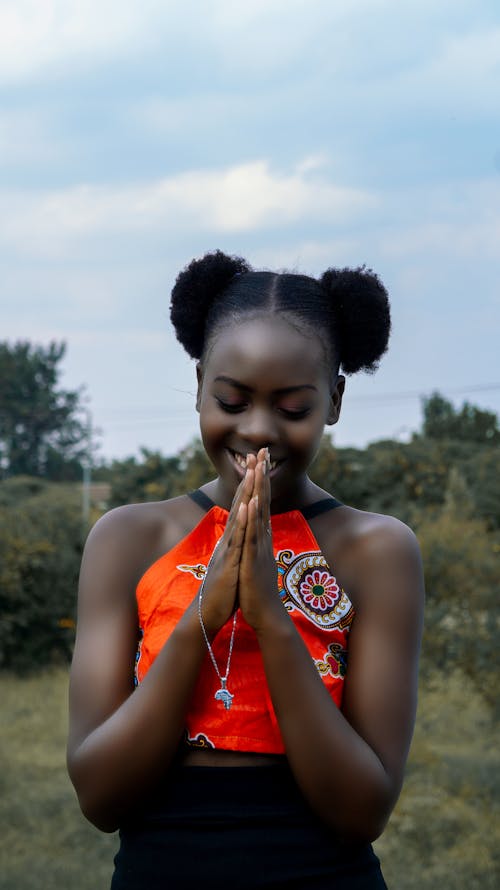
{"points": [[240, 38], [40, 34], [238, 198]]}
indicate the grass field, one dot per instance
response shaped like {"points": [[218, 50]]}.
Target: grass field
{"points": [[444, 833]]}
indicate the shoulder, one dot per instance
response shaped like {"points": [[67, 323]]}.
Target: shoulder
{"points": [[375, 556], [353, 534], [144, 519], [383, 563], [129, 538], [376, 536]]}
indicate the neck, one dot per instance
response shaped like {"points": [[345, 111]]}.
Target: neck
{"points": [[304, 492]]}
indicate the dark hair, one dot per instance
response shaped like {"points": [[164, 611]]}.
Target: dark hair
{"points": [[347, 308]]}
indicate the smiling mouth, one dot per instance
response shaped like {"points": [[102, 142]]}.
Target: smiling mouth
{"points": [[241, 460]]}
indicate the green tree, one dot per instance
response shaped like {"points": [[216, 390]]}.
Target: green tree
{"points": [[41, 431], [154, 478], [195, 466], [468, 424]]}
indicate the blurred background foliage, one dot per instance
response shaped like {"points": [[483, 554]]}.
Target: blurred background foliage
{"points": [[445, 483]]}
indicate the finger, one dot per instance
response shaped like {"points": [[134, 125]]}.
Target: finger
{"points": [[266, 498], [236, 537], [243, 495], [251, 532], [251, 460], [249, 482], [238, 533], [263, 489]]}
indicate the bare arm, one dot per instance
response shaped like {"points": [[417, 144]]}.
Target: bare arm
{"points": [[121, 740], [348, 764]]}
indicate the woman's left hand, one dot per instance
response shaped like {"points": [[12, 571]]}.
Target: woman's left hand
{"points": [[257, 581]]}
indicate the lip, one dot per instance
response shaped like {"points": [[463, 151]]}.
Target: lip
{"points": [[239, 468]]}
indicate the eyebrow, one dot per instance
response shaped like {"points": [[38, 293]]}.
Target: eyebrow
{"points": [[283, 391]]}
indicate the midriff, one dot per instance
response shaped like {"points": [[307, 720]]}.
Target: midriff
{"points": [[211, 757]]}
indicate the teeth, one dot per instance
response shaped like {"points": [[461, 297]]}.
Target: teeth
{"points": [[242, 461]]}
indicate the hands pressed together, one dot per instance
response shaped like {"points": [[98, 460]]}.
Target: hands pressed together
{"points": [[243, 572]]}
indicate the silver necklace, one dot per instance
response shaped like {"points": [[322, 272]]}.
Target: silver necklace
{"points": [[223, 693]]}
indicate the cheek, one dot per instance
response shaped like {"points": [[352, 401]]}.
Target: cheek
{"points": [[213, 424], [307, 440]]}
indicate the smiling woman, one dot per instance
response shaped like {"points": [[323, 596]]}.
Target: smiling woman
{"points": [[226, 713]]}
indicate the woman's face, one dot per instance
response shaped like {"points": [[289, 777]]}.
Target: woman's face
{"points": [[264, 383]]}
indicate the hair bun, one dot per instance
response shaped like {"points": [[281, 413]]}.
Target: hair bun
{"points": [[362, 316], [195, 289]]}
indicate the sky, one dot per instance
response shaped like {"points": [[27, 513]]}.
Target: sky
{"points": [[299, 134]]}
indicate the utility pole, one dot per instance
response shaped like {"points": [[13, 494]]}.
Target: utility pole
{"points": [[87, 470]]}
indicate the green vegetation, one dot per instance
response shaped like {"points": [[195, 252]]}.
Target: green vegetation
{"points": [[46, 842], [444, 832], [40, 552]]}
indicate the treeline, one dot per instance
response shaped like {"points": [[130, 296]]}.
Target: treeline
{"points": [[445, 483]]}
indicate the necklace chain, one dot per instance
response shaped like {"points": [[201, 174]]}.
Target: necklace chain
{"points": [[223, 693]]}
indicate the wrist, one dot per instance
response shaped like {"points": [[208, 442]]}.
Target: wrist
{"points": [[272, 619]]}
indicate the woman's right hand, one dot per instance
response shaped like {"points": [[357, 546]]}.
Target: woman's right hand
{"points": [[220, 587]]}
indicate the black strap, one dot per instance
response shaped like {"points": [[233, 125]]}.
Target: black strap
{"points": [[319, 507], [309, 512], [202, 499]]}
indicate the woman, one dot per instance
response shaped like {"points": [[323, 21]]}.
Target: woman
{"points": [[275, 632]]}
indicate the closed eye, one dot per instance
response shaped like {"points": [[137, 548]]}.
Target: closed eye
{"points": [[295, 415], [231, 407], [237, 407]]}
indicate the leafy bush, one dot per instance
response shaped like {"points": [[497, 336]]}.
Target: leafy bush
{"points": [[40, 552]]}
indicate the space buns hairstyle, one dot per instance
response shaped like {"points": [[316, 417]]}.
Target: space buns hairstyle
{"points": [[348, 309], [362, 318], [194, 292]]}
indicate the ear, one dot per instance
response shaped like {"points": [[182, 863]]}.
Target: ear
{"points": [[199, 377], [336, 400]]}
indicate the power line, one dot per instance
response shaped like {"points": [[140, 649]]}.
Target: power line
{"points": [[412, 394], [159, 417]]}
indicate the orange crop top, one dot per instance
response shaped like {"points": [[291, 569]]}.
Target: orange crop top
{"points": [[319, 608]]}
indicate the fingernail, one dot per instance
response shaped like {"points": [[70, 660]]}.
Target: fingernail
{"points": [[264, 468], [256, 499]]}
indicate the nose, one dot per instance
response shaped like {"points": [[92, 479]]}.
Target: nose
{"points": [[258, 428]]}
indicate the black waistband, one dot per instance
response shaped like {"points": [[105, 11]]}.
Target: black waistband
{"points": [[308, 512], [245, 827]]}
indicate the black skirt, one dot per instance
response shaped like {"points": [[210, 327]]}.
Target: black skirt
{"points": [[240, 828]]}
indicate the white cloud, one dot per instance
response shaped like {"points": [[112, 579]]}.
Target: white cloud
{"points": [[240, 198], [38, 33], [241, 38], [35, 34]]}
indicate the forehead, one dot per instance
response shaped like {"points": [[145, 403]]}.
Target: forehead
{"points": [[267, 352]]}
